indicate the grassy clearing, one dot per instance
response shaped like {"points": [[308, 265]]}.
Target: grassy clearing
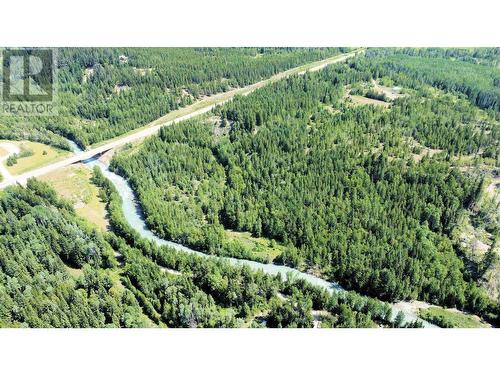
{"points": [[42, 155], [264, 248], [74, 272], [372, 93], [419, 150], [3, 152], [390, 92], [73, 183], [450, 319], [361, 100], [115, 275]]}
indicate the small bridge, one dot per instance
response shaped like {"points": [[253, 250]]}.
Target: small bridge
{"points": [[182, 114]]}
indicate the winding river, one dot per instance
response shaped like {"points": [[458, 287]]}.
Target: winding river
{"points": [[134, 216]]}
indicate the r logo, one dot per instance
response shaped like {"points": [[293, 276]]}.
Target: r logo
{"points": [[28, 75]]}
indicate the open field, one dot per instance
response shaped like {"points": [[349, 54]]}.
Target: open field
{"points": [[493, 189], [419, 150], [42, 155], [362, 94], [390, 92], [74, 272], [361, 100], [262, 247], [441, 316], [447, 318], [73, 183]]}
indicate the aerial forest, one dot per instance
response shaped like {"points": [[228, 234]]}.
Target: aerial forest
{"points": [[366, 173]]}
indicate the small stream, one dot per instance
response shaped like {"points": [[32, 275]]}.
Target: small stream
{"points": [[134, 215]]}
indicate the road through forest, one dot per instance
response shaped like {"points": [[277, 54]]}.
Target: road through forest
{"points": [[131, 208], [182, 114]]}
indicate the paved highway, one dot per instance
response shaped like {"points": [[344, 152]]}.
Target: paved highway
{"points": [[185, 113]]}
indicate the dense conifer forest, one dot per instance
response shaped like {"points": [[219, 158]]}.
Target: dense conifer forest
{"points": [[342, 186], [56, 271], [105, 92], [361, 173], [476, 77]]}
